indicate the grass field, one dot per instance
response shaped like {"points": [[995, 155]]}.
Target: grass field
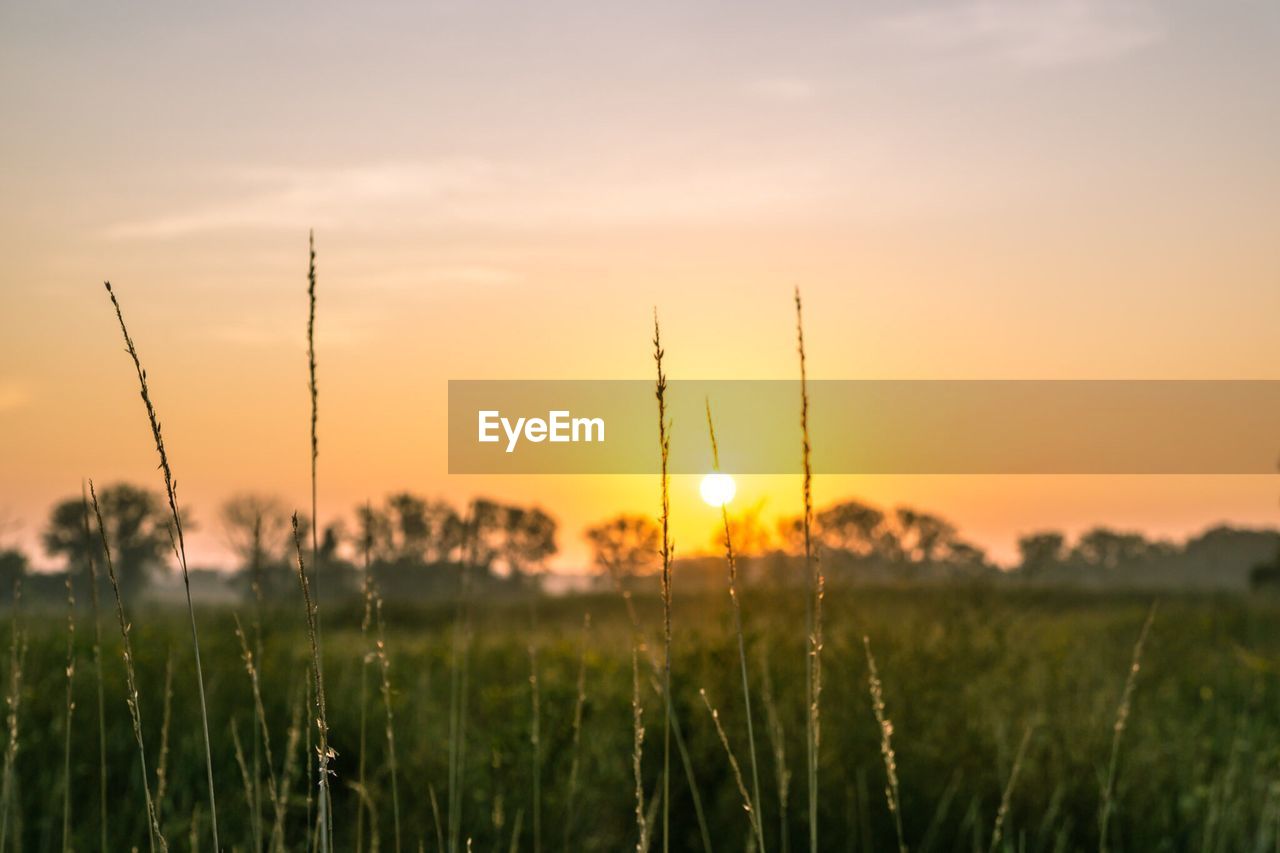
{"points": [[964, 672]]}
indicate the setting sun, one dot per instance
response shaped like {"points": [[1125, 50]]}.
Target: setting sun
{"points": [[717, 489]]}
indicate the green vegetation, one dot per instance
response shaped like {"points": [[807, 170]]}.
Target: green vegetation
{"points": [[963, 672]]}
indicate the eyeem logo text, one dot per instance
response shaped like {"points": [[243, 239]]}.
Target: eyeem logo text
{"points": [[558, 427]]}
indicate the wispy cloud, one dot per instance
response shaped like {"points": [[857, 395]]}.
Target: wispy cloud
{"points": [[1036, 33], [284, 198], [479, 193]]}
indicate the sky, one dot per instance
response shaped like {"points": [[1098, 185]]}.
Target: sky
{"points": [[968, 189]]}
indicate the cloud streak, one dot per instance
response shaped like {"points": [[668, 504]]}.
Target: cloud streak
{"points": [[481, 193], [1031, 33]]}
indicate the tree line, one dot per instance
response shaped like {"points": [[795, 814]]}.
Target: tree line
{"points": [[415, 546]]}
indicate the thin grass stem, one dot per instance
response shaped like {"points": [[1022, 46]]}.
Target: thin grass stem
{"points": [[131, 682], [180, 549], [1118, 729]]}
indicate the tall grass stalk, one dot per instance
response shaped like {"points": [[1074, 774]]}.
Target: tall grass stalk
{"points": [[325, 752], [385, 666], [325, 804], [891, 791], [171, 492], [813, 600], [677, 731], [264, 734], [535, 745], [289, 767], [778, 742], [17, 654], [637, 753], [92, 566], [246, 781], [69, 715], [737, 770], [516, 826], [459, 672], [1117, 731], [435, 816], [166, 717], [664, 448], [255, 585], [366, 622], [1002, 813], [576, 749], [131, 681], [757, 818]]}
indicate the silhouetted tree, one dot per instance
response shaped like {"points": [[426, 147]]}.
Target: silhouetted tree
{"points": [[1041, 552], [13, 566], [137, 525], [528, 538], [624, 546], [411, 529], [923, 538], [1102, 548], [856, 528], [259, 531]]}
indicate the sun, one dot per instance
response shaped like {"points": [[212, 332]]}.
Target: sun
{"points": [[717, 489]]}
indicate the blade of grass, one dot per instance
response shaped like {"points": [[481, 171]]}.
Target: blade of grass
{"points": [[733, 765], [997, 832], [69, 714], [17, 654], [777, 740], [131, 682], [385, 665], [92, 566], [366, 621], [664, 446], [813, 600], [576, 748], [264, 733], [1121, 723], [535, 745], [637, 753], [162, 764], [325, 752], [890, 758], [757, 819], [171, 491]]}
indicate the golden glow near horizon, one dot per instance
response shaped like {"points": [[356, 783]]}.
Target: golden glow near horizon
{"points": [[980, 188]]}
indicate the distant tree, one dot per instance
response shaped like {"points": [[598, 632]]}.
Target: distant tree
{"points": [[137, 527], [411, 529], [1108, 549], [259, 530], [965, 555], [482, 533], [13, 567], [1041, 552], [625, 546], [528, 538], [923, 538], [257, 527], [856, 528]]}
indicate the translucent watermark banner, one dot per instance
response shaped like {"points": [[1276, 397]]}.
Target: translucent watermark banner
{"points": [[869, 426]]}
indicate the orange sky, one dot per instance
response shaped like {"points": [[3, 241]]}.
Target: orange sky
{"points": [[1060, 188]]}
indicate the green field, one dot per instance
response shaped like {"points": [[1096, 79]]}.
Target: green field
{"points": [[964, 671]]}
